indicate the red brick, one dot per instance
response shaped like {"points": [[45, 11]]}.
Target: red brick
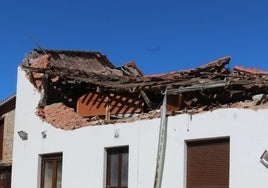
{"points": [[61, 116], [41, 62]]}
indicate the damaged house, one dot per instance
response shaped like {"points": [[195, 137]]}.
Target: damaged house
{"points": [[91, 124], [7, 118]]}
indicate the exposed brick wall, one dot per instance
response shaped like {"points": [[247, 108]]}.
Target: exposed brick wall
{"points": [[61, 116], [9, 121], [41, 62]]}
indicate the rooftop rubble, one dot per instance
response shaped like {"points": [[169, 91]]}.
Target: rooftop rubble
{"points": [[95, 92]]}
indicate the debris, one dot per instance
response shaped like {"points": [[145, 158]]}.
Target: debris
{"points": [[86, 83]]}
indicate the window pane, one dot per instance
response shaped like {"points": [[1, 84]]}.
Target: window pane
{"points": [[59, 172], [114, 170], [48, 174], [124, 175], [51, 171]]}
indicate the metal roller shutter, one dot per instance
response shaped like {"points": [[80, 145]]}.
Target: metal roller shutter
{"points": [[208, 163]]}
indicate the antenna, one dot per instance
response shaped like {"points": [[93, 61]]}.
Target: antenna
{"points": [[37, 44]]}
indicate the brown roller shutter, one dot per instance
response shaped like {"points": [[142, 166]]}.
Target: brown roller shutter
{"points": [[208, 163]]}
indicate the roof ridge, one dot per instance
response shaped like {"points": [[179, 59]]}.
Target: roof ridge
{"points": [[8, 99]]}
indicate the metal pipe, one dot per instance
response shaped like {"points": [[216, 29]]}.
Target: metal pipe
{"points": [[161, 144], [198, 87]]}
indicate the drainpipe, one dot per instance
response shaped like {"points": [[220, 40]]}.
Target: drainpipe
{"points": [[161, 145]]}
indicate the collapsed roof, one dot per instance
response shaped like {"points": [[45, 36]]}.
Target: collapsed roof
{"points": [[67, 77]]}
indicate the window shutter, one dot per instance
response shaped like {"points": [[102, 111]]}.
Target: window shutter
{"points": [[208, 163]]}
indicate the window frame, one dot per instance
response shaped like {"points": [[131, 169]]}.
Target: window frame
{"points": [[120, 151], [54, 158]]}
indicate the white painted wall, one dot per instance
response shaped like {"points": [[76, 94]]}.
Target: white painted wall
{"points": [[84, 149]]}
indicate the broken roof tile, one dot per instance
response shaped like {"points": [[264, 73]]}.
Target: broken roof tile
{"points": [[72, 60], [250, 70], [132, 67], [73, 73], [214, 67]]}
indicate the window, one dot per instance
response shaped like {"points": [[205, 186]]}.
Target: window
{"points": [[5, 177], [117, 167], [208, 163], [51, 170]]}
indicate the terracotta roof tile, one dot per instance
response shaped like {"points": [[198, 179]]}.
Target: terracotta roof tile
{"points": [[250, 70]]}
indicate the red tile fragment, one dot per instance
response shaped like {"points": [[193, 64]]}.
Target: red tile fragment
{"points": [[134, 66], [250, 70]]}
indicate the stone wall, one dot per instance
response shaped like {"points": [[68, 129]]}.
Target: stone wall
{"points": [[9, 120]]}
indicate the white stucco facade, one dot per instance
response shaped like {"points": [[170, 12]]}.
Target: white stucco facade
{"points": [[84, 149]]}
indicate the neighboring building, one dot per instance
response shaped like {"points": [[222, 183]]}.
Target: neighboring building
{"points": [[7, 118], [90, 124]]}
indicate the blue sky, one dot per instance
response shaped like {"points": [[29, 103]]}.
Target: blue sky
{"points": [[160, 36]]}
